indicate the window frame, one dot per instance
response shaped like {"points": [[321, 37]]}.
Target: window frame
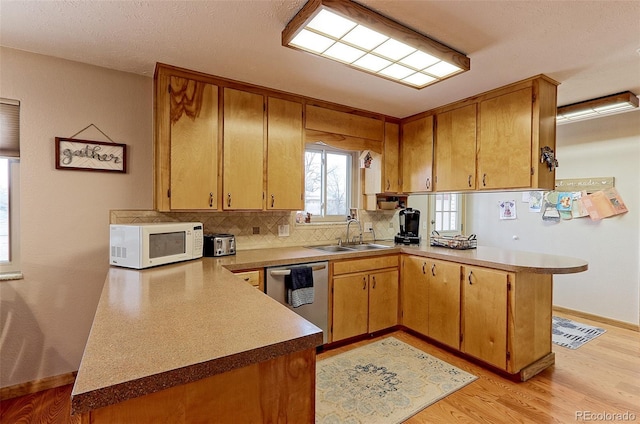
{"points": [[10, 269], [461, 212], [352, 186]]}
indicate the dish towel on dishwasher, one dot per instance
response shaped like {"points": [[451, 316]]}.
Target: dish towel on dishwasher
{"points": [[299, 286]]}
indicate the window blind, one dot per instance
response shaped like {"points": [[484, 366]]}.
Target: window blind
{"points": [[9, 128]]}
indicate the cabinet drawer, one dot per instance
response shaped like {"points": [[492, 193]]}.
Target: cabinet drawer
{"points": [[366, 264], [251, 277]]}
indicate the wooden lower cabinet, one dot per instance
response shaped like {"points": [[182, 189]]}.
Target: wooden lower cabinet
{"points": [[431, 298], [278, 390], [363, 302], [415, 294], [501, 318], [254, 277], [507, 318], [485, 315]]}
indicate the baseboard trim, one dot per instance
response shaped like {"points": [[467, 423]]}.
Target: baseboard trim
{"points": [[35, 386], [598, 318]]}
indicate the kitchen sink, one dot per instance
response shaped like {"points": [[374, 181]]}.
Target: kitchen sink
{"points": [[367, 246], [331, 248], [349, 247]]}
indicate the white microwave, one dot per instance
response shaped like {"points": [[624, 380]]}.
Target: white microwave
{"points": [[145, 245]]}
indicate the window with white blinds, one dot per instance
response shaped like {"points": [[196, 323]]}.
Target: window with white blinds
{"points": [[9, 188], [9, 128]]}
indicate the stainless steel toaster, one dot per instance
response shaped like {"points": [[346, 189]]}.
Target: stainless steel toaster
{"points": [[219, 245]]}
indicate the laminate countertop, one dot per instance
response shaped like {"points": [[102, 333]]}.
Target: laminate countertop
{"points": [[175, 324]]}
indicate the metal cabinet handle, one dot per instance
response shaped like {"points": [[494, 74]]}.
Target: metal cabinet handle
{"points": [[433, 270], [484, 180], [374, 282], [229, 200], [388, 184], [469, 180], [247, 279], [424, 264], [470, 273], [428, 183], [273, 200], [211, 199], [364, 283]]}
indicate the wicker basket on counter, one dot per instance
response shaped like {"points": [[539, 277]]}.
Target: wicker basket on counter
{"points": [[459, 242]]}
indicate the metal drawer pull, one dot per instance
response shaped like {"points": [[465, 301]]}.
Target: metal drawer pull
{"points": [[470, 282], [433, 270], [280, 272], [423, 265], [469, 180]]}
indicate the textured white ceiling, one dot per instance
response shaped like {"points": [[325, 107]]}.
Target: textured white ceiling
{"points": [[590, 47]]}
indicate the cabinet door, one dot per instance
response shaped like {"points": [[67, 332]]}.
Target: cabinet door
{"points": [[417, 155], [504, 154], [391, 158], [455, 149], [485, 315], [285, 152], [194, 144], [383, 300], [350, 306], [444, 302], [415, 294], [243, 170]]}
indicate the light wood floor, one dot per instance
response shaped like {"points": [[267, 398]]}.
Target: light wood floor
{"points": [[601, 377]]}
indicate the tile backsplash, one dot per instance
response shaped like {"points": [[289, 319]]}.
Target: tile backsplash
{"points": [[257, 230]]}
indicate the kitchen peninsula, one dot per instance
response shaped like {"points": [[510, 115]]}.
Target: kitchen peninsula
{"points": [[191, 339]]}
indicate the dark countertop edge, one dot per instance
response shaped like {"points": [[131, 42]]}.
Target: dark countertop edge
{"points": [[100, 398]]}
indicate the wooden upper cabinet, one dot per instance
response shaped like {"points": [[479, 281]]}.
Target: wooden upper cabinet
{"points": [[455, 149], [514, 125], [243, 150], [336, 122], [504, 159], [194, 144], [285, 155], [391, 158], [417, 155]]}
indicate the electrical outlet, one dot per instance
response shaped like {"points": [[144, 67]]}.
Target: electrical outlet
{"points": [[390, 224], [283, 230], [256, 230], [368, 227]]}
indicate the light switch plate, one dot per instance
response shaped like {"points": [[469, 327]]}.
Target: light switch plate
{"points": [[283, 230]]}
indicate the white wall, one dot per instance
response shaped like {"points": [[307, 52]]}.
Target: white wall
{"points": [[46, 316], [603, 147]]}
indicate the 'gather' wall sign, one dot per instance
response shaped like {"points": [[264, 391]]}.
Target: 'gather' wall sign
{"points": [[86, 155]]}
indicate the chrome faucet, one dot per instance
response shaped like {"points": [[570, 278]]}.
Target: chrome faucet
{"points": [[359, 228]]}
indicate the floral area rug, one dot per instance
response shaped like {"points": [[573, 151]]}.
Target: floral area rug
{"points": [[387, 381], [571, 334]]}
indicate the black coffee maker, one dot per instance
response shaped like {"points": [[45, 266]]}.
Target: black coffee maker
{"points": [[409, 227]]}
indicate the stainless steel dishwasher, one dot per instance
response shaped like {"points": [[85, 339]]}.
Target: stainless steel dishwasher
{"points": [[315, 312]]}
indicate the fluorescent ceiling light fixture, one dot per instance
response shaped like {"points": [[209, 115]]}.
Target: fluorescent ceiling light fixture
{"points": [[595, 108], [350, 33]]}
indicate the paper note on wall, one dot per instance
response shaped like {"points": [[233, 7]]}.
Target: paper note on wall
{"points": [[603, 204]]}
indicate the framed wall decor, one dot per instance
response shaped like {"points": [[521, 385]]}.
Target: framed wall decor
{"points": [[86, 155]]}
